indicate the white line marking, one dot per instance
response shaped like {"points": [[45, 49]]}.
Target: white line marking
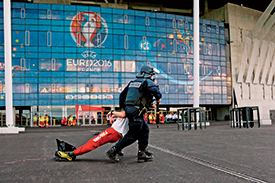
{"points": [[210, 165]]}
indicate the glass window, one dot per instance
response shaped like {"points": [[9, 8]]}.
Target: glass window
{"points": [[45, 64], [44, 88]]}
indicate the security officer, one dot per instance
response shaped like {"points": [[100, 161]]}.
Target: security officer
{"points": [[134, 99]]}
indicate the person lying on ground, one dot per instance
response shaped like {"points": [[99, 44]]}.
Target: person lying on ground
{"points": [[111, 135]]}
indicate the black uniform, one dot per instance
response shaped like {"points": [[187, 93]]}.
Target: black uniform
{"points": [[139, 93]]}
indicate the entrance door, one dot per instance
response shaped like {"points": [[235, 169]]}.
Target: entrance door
{"points": [[25, 119], [99, 120], [90, 117], [86, 118], [83, 117]]}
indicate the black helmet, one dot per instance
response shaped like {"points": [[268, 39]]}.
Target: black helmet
{"points": [[146, 71]]}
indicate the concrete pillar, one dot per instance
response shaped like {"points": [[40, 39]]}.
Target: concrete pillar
{"points": [[196, 53], [10, 129]]}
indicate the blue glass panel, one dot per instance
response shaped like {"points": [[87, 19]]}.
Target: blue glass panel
{"points": [[59, 50], [108, 18], [57, 15], [205, 21], [17, 5], [83, 102], [44, 54], [45, 22], [69, 49], [118, 25], [118, 41], [44, 74], [31, 96], [31, 13], [70, 74], [129, 12], [18, 38], [94, 9], [118, 11], [31, 6], [160, 15], [30, 54], [18, 80], [106, 10], [150, 14], [42, 14], [44, 102], [2, 102], [58, 96], [58, 102], [129, 27], [70, 102], [69, 8], [16, 13], [69, 15], [31, 80], [44, 27], [19, 102], [31, 102], [57, 7], [130, 20], [18, 55], [44, 80], [18, 21], [189, 19], [171, 17], [118, 31], [108, 44], [82, 8], [17, 27], [42, 38], [140, 13], [58, 79], [57, 23], [57, 39], [70, 55], [44, 6], [31, 24], [140, 20]]}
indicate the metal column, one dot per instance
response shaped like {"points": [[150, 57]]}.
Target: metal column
{"points": [[8, 63]]}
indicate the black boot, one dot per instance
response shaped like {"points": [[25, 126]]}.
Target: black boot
{"points": [[120, 153], [111, 154], [148, 153], [143, 157]]}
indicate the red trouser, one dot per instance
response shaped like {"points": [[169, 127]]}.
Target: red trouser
{"points": [[107, 136]]}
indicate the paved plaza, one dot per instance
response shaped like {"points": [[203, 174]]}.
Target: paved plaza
{"points": [[216, 154]]}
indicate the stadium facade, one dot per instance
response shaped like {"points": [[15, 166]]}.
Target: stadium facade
{"points": [[69, 57], [252, 44]]}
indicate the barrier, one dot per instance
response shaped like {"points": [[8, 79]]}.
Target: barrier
{"points": [[189, 118], [244, 116]]}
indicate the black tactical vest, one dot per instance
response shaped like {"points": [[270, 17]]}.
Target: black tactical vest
{"points": [[138, 94], [135, 92]]}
